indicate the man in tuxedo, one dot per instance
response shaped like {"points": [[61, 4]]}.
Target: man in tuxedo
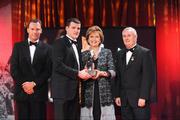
{"points": [[66, 73], [30, 68], [135, 74]]}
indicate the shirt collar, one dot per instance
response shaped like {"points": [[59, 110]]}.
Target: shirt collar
{"points": [[30, 40], [71, 38]]}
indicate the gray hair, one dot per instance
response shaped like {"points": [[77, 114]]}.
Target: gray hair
{"points": [[131, 29]]}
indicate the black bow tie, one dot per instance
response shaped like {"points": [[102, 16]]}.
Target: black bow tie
{"points": [[32, 43], [131, 49], [74, 42]]}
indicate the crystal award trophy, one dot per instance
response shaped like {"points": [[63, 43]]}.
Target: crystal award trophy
{"points": [[90, 65]]}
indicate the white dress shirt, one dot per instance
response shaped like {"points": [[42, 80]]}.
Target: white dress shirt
{"points": [[128, 56], [32, 49], [75, 51]]}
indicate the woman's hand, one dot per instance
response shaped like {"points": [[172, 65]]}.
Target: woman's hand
{"points": [[104, 74], [97, 74], [100, 74]]}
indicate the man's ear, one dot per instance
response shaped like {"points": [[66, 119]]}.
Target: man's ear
{"points": [[27, 30]]}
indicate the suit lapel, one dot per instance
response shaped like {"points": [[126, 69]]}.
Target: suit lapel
{"points": [[37, 52], [123, 58], [133, 57], [26, 51], [73, 52], [71, 48]]}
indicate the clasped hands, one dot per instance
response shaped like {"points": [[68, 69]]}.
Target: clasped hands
{"points": [[83, 74], [28, 87]]}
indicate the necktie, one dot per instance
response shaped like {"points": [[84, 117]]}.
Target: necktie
{"points": [[32, 43]]}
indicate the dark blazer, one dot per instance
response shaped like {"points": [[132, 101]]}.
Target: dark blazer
{"points": [[23, 70], [65, 70], [134, 80]]}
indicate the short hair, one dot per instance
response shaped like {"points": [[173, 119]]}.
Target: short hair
{"points": [[34, 21], [131, 29], [95, 28], [75, 20]]}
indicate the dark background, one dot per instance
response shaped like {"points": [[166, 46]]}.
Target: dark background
{"points": [[113, 37]]}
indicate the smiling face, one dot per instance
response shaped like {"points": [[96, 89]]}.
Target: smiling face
{"points": [[73, 30], [94, 39], [34, 31], [94, 36], [129, 38]]}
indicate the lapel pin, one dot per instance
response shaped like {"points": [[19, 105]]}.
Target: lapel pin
{"points": [[132, 59]]}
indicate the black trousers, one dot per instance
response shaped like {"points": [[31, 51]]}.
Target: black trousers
{"points": [[135, 113], [66, 109], [96, 103], [31, 110]]}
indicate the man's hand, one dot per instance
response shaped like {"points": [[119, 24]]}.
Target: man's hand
{"points": [[141, 102], [28, 87], [29, 92], [83, 74], [118, 101]]}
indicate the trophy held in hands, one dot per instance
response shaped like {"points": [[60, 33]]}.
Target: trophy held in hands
{"points": [[90, 65]]}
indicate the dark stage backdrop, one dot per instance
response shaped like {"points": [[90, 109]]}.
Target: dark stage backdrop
{"points": [[113, 37]]}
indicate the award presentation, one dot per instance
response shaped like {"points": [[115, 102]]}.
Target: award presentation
{"points": [[50, 41]]}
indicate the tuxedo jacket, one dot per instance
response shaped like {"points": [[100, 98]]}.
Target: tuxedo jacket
{"points": [[134, 80], [22, 70], [64, 81]]}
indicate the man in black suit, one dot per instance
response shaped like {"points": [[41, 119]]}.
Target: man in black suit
{"points": [[30, 68], [135, 73], [66, 73]]}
